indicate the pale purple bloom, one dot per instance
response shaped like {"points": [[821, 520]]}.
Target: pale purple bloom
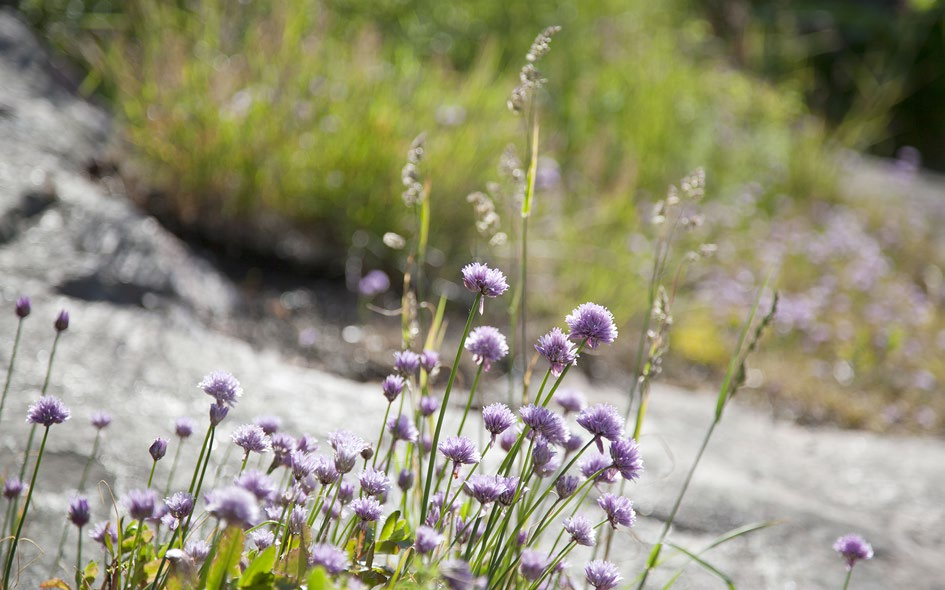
{"points": [[345, 492], [217, 413], [98, 532], [333, 559], [183, 427], [570, 400], [533, 564], [223, 387], [428, 405], [198, 550], [853, 548], [180, 504], [257, 483], [79, 511], [170, 521], [402, 428], [427, 539], [485, 488], [62, 321], [507, 439], [331, 511], [439, 499], [101, 420], [405, 479], [619, 510], [557, 350], [262, 539], [457, 575], [306, 443], [233, 505], [566, 485], [12, 487], [429, 360], [392, 386], [593, 324], [140, 504], [325, 471], [373, 283], [158, 449], [460, 450], [297, 519], [367, 509], [348, 447], [426, 443], [626, 458], [303, 464], [269, 424], [548, 469], [546, 423], [594, 464], [407, 363], [282, 446], [542, 452], [580, 529], [487, 345], [602, 421], [574, 443], [602, 575], [251, 438], [374, 482], [23, 307], [295, 495], [479, 278], [48, 410], [498, 418], [511, 487]]}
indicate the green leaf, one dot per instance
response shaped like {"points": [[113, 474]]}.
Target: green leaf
{"points": [[261, 564], [388, 529], [225, 558], [372, 577], [706, 565], [318, 580]]}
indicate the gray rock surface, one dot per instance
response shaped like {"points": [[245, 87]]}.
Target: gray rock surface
{"points": [[142, 336]]}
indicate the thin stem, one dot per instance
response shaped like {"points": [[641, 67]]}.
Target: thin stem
{"points": [[170, 476], [151, 476], [195, 491], [170, 545], [52, 356], [6, 385], [377, 449], [472, 394], [134, 553], [78, 564], [846, 582], [203, 450], [26, 507]]}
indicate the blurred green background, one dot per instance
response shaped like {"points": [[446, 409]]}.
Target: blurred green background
{"points": [[305, 110]]}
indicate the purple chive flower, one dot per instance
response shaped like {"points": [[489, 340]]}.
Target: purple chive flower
{"points": [[325, 471], [302, 464], [170, 522], [23, 307], [498, 418], [460, 450], [262, 539], [348, 447], [593, 324], [297, 519], [282, 445], [485, 488], [48, 410], [198, 550], [626, 458], [217, 413], [407, 363], [333, 559], [269, 424], [602, 421], [367, 509], [79, 511], [402, 428], [429, 360], [487, 345], [574, 443], [853, 548], [542, 452], [345, 492], [546, 423], [619, 510], [373, 283], [392, 386], [602, 575], [257, 483], [405, 479], [62, 321], [180, 504], [234, 506], [458, 576], [557, 350], [223, 387], [566, 485], [570, 400], [295, 495], [428, 405], [12, 487], [426, 443], [594, 464], [100, 420], [374, 482], [100, 530], [251, 438], [533, 564], [140, 504], [306, 443], [507, 439], [427, 539], [158, 449], [183, 427], [580, 529], [479, 278]]}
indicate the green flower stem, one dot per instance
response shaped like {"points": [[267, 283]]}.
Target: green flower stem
{"points": [[6, 385], [19, 529], [846, 581], [52, 356], [151, 476], [195, 491], [444, 404], [203, 451], [542, 388], [472, 394], [245, 459], [170, 476], [170, 545], [323, 531], [78, 564], [380, 438]]}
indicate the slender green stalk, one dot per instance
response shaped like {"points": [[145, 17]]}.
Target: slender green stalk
{"points": [[446, 400], [88, 464], [203, 451], [170, 476], [380, 438], [6, 385], [170, 545], [19, 529], [846, 581], [134, 553], [78, 564], [472, 394], [202, 470], [151, 476]]}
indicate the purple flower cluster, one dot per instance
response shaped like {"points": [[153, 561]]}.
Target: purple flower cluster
{"points": [[333, 559], [602, 575], [251, 438], [487, 346], [234, 506], [593, 324], [79, 511], [602, 421], [48, 410], [392, 387], [853, 548], [546, 423], [222, 387], [619, 510], [460, 450], [555, 348]]}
